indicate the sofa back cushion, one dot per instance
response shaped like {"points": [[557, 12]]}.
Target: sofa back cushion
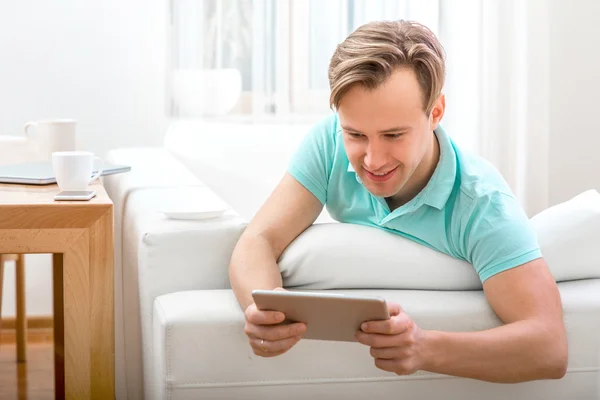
{"points": [[328, 256], [241, 163]]}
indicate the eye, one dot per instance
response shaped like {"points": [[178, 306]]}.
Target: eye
{"points": [[354, 135], [393, 135]]}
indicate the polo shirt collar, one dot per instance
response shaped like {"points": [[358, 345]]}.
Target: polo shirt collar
{"points": [[440, 185], [437, 191]]}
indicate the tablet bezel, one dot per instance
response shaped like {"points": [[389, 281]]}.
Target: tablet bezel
{"points": [[328, 316]]}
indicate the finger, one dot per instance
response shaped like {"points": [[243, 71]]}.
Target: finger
{"points": [[280, 289], [261, 317], [269, 355], [386, 365], [387, 353], [393, 326], [277, 332], [268, 347], [379, 340]]}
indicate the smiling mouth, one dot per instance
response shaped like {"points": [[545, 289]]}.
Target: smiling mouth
{"points": [[380, 173], [380, 177]]}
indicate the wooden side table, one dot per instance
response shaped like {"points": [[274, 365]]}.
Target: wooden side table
{"points": [[80, 237]]}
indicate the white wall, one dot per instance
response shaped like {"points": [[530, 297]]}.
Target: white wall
{"points": [[574, 87], [101, 63]]}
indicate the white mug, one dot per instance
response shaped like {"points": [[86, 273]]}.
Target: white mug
{"points": [[73, 169], [52, 135]]}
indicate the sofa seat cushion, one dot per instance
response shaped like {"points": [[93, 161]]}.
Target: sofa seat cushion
{"points": [[202, 352], [338, 256]]}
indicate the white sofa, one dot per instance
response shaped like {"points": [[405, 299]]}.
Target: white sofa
{"points": [[179, 328]]}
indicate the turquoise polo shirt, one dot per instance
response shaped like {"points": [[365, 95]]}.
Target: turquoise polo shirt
{"points": [[466, 209]]}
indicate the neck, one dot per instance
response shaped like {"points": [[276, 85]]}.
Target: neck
{"points": [[420, 177]]}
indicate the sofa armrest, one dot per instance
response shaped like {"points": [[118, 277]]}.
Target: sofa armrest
{"points": [[193, 253], [162, 256], [155, 255], [172, 255]]}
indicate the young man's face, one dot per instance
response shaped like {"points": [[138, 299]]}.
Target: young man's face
{"points": [[386, 132]]}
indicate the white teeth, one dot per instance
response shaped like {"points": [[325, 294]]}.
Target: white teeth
{"points": [[385, 173]]}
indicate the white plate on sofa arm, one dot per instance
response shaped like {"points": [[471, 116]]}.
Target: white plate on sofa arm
{"points": [[193, 204], [194, 214]]}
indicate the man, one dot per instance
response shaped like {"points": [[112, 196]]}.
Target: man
{"points": [[383, 160]]}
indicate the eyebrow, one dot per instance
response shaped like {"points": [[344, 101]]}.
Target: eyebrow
{"points": [[389, 130]]}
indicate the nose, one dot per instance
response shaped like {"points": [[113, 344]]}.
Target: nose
{"points": [[375, 157]]}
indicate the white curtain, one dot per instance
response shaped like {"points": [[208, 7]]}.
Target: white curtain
{"points": [[265, 59], [497, 88]]}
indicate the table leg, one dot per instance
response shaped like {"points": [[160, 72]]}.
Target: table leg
{"points": [[89, 351], [84, 315], [21, 309], [102, 308], [59, 323]]}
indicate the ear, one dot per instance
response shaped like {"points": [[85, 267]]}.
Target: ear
{"points": [[437, 112]]}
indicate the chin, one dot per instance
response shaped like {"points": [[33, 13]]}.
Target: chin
{"points": [[383, 191]]}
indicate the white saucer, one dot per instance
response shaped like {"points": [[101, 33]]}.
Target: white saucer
{"points": [[192, 204]]}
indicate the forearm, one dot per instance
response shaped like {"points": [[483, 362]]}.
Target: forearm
{"points": [[516, 352], [253, 266]]}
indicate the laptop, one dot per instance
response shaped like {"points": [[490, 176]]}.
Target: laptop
{"points": [[42, 173]]}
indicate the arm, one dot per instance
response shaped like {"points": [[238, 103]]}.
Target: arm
{"points": [[531, 345], [292, 207], [285, 215]]}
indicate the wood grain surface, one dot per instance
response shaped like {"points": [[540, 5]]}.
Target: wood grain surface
{"points": [[80, 235]]}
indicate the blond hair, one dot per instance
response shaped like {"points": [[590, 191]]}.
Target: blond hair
{"points": [[370, 54]]}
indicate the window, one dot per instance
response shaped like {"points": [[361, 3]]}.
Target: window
{"points": [[259, 59]]}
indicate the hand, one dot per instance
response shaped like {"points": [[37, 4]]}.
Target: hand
{"points": [[266, 337], [396, 344]]}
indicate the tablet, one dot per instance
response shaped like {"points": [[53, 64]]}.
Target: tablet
{"points": [[328, 316]]}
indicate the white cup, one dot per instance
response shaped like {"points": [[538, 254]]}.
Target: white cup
{"points": [[52, 135], [73, 169]]}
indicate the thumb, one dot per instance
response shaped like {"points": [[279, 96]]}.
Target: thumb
{"points": [[394, 309], [280, 289]]}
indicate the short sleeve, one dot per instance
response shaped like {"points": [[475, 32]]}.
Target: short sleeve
{"points": [[497, 235], [312, 162]]}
